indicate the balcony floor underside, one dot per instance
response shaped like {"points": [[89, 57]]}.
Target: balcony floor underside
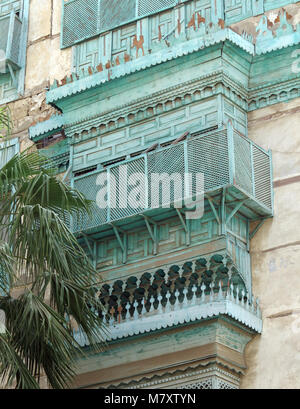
{"points": [[235, 197]]}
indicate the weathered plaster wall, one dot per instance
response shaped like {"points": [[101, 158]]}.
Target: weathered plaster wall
{"points": [[45, 61], [273, 358], [249, 25]]}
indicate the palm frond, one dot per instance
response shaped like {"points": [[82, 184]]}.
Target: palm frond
{"points": [[41, 251], [41, 338], [7, 273], [5, 122], [52, 256], [12, 368]]}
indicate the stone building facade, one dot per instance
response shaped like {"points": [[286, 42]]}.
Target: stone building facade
{"points": [[205, 86]]}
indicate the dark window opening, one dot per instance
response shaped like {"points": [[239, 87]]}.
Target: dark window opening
{"points": [[112, 162], [85, 171], [56, 137]]}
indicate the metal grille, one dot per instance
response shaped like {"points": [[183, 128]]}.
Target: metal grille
{"points": [[88, 186], [124, 206], [169, 161], [208, 154], [243, 165], [262, 176], [80, 21], [116, 12], [146, 7]]}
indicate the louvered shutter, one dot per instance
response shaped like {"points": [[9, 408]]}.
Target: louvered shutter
{"points": [[80, 21], [146, 7], [83, 19], [7, 150], [114, 13]]}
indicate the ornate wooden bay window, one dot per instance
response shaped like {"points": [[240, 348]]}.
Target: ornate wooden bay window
{"points": [[168, 89]]}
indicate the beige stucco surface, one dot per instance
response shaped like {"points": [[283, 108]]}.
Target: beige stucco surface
{"points": [[45, 60], [273, 358]]}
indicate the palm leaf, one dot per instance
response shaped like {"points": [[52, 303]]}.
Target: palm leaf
{"points": [[12, 368], [5, 122], [41, 253]]}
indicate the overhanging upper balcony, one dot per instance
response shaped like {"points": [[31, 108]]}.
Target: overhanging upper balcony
{"points": [[10, 36], [235, 171]]}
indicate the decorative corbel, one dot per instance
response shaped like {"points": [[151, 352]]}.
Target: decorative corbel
{"points": [[152, 232], [123, 242], [186, 225]]}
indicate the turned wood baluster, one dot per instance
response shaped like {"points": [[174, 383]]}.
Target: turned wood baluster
{"points": [[203, 288], [152, 299], [220, 294], [144, 311], [177, 304], [135, 312], [168, 303], [112, 318], [194, 297], [127, 307], [120, 309], [185, 300]]}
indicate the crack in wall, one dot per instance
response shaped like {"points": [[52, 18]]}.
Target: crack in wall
{"points": [[284, 313]]}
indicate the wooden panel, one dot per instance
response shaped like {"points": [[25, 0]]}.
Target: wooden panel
{"points": [[163, 128], [171, 236]]}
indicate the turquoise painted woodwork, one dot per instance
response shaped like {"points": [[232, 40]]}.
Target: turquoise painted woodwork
{"points": [[230, 165], [10, 33], [100, 16], [6, 6], [142, 320], [42, 129], [95, 65], [59, 152], [222, 331], [8, 91], [148, 82], [13, 41]]}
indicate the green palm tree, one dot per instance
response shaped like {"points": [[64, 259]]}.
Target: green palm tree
{"points": [[46, 279]]}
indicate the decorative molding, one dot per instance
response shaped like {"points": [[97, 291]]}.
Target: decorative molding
{"points": [[180, 379], [282, 36], [56, 122], [274, 93], [77, 84], [188, 15], [166, 100]]}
